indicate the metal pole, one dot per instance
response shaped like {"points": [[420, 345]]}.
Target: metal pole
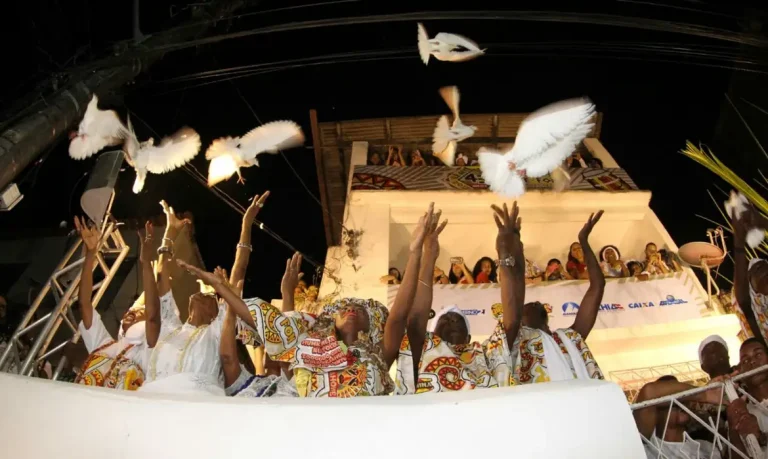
{"points": [[698, 390]]}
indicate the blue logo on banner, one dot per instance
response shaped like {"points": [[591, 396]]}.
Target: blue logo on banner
{"points": [[570, 309], [671, 300], [473, 312], [641, 305]]}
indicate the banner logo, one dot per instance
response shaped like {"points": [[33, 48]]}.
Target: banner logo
{"points": [[570, 309], [671, 300], [473, 312]]}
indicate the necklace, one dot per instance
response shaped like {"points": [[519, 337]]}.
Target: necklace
{"points": [[163, 341]]}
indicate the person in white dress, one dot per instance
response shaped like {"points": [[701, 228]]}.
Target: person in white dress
{"points": [[113, 363], [184, 357]]}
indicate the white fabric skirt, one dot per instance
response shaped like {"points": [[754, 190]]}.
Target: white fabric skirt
{"points": [[185, 383]]}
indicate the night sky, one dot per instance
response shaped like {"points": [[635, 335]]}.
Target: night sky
{"points": [[653, 98]]}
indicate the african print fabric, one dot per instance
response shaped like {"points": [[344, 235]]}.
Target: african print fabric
{"points": [[531, 364], [323, 365], [447, 367], [116, 364], [759, 307]]}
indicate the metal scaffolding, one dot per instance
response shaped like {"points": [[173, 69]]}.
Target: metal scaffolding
{"points": [[113, 250], [728, 391], [631, 381]]}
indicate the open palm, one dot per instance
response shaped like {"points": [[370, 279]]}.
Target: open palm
{"points": [[90, 235], [172, 220]]}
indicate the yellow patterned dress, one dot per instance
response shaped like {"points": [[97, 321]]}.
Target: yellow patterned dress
{"points": [[323, 366], [531, 364], [117, 364], [759, 308], [447, 367]]}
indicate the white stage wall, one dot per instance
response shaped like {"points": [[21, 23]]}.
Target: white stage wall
{"points": [[576, 419]]}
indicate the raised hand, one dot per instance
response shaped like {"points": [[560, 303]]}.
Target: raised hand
{"points": [[212, 279], [173, 223], [89, 234], [253, 210], [417, 238], [292, 275], [508, 242], [433, 230], [589, 225], [146, 251]]}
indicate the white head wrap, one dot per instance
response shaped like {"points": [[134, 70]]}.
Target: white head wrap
{"points": [[711, 339], [446, 310]]}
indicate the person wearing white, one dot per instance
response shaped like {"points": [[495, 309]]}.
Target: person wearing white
{"points": [[184, 357], [116, 364], [543, 356]]}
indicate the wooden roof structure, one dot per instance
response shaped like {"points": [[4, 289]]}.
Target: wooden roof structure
{"points": [[332, 142]]}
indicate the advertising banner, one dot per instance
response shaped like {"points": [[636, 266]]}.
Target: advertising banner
{"points": [[626, 302]]}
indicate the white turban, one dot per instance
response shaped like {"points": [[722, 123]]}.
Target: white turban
{"points": [[711, 339], [446, 310]]}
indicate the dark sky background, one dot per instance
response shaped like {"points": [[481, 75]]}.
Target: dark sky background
{"points": [[653, 97]]}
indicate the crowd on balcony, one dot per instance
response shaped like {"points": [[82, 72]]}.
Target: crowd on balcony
{"points": [[652, 262], [402, 156]]}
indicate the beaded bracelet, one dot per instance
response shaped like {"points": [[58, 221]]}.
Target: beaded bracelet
{"points": [[240, 245]]}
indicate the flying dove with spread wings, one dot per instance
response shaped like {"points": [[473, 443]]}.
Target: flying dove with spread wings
{"points": [[545, 139], [229, 154], [446, 136], [102, 128], [446, 47], [735, 207]]}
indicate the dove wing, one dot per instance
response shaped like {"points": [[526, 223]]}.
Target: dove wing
{"points": [[98, 129], [550, 134], [451, 97], [270, 138], [174, 151], [457, 40]]}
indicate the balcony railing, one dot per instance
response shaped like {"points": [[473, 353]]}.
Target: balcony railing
{"points": [[444, 178]]}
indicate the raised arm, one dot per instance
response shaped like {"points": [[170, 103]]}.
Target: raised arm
{"points": [[232, 299], [151, 295], [290, 280], [418, 316], [90, 237], [230, 360], [173, 228], [405, 301], [244, 247], [748, 219], [512, 265], [590, 304]]}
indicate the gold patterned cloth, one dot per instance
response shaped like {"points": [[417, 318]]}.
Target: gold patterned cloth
{"points": [[116, 364], [445, 367], [531, 364], [759, 308], [323, 365]]}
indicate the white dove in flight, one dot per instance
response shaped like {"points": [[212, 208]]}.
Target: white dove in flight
{"points": [[545, 139], [446, 136], [228, 154], [446, 47], [103, 128], [735, 207], [174, 151], [98, 129]]}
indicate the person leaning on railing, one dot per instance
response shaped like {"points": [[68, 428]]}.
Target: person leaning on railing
{"points": [[653, 420]]}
